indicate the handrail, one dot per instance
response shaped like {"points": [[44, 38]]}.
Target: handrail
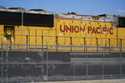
{"points": [[82, 43]]}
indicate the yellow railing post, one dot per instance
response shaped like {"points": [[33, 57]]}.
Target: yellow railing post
{"points": [[84, 41], [97, 45], [71, 44], [56, 43]]}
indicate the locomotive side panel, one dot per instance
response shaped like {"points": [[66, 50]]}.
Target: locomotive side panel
{"points": [[67, 34], [89, 33]]}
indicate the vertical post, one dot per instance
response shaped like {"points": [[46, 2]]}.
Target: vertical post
{"points": [[117, 35], [71, 44], [10, 45], [56, 43], [47, 63], [121, 57], [84, 41], [103, 66], [6, 66], [1, 42], [96, 44], [109, 41], [2, 61], [2, 66], [27, 42], [85, 50], [2, 72], [74, 71], [120, 45]]}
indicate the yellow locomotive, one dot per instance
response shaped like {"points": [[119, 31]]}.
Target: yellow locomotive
{"points": [[37, 46], [62, 32]]}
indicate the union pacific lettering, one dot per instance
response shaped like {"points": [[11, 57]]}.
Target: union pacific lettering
{"points": [[88, 29], [72, 29]]}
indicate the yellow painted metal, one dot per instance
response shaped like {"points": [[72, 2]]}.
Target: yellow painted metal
{"points": [[67, 34]]}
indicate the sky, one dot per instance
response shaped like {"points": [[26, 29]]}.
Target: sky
{"points": [[84, 7]]}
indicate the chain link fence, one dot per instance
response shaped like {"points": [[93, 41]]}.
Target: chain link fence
{"points": [[48, 63]]}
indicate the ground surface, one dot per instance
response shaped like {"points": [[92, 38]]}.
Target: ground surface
{"points": [[90, 81]]}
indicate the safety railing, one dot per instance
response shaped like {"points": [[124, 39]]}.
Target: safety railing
{"points": [[63, 43]]}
